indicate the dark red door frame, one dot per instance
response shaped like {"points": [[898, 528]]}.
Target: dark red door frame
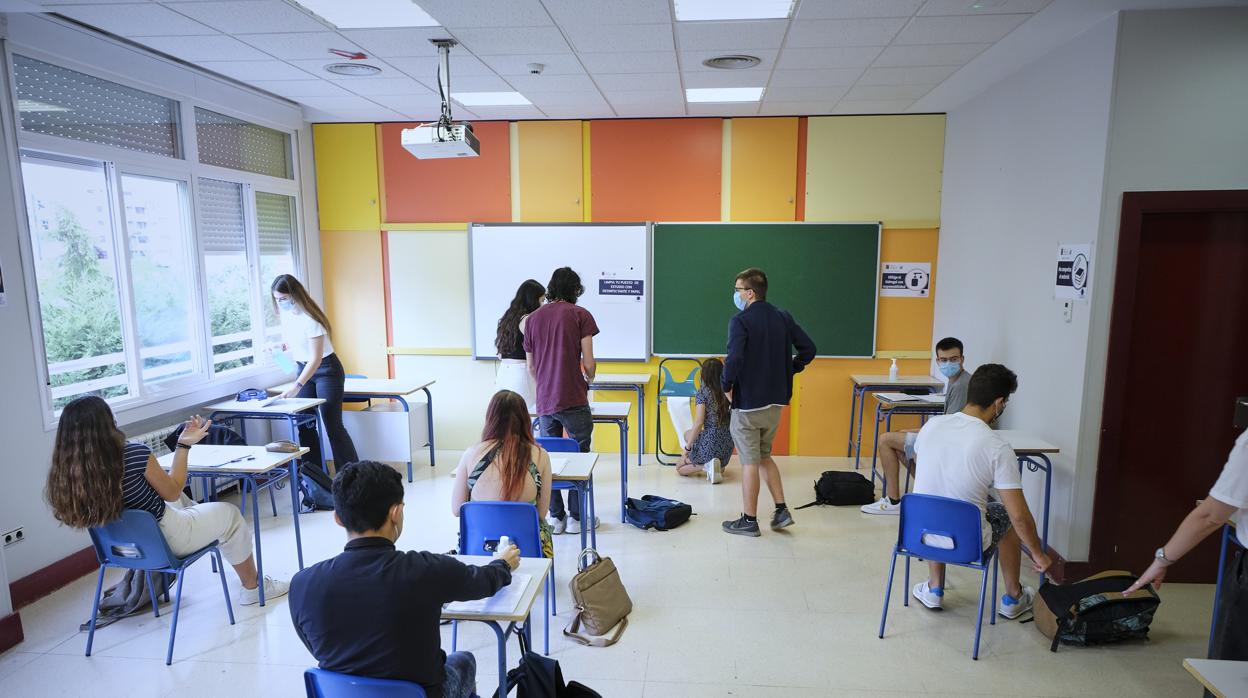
{"points": [[1110, 468]]}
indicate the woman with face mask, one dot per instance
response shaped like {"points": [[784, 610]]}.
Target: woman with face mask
{"points": [[305, 334]]}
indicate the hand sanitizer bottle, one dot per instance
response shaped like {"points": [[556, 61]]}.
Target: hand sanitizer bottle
{"points": [[892, 370], [503, 542]]}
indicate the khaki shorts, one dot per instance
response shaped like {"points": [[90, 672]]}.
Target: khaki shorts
{"points": [[753, 432]]}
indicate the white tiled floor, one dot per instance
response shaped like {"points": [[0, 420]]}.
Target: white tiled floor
{"points": [[790, 614]]}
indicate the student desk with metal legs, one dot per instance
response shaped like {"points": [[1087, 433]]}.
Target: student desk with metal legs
{"points": [[578, 469], [864, 383], [1033, 452], [891, 405], [635, 382], [1224, 678], [609, 413]]}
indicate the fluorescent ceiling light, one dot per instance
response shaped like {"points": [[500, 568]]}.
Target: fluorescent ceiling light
{"points": [[370, 14], [724, 94], [490, 99], [701, 10]]}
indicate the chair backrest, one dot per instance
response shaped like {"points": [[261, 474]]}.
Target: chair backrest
{"points": [[331, 684], [558, 444], [482, 523], [924, 517], [669, 386], [134, 542]]}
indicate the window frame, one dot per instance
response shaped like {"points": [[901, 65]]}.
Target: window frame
{"points": [[185, 168]]}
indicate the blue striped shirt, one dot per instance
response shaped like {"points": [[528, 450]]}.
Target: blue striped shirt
{"points": [[136, 491]]}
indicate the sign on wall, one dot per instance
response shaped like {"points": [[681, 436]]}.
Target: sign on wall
{"points": [[1074, 272], [906, 279]]}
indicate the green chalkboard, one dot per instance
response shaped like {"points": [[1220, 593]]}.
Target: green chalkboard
{"points": [[823, 273]]}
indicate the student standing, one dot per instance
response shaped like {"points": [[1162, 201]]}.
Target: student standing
{"points": [[758, 378], [513, 373], [710, 442], [305, 332], [559, 348]]}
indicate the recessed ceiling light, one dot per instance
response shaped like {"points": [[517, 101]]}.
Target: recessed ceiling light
{"points": [[357, 70], [723, 94], [735, 62], [701, 10], [370, 14], [490, 99]]}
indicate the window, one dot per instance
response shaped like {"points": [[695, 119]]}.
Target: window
{"points": [[275, 221], [227, 272], [228, 142]]}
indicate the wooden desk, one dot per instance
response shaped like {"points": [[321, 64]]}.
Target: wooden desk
{"points": [[1033, 452], [1223, 678], [635, 382], [580, 472], [864, 383], [516, 617], [246, 464]]}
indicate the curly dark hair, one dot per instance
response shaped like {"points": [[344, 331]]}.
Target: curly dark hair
{"points": [[84, 483], [565, 285], [528, 298]]}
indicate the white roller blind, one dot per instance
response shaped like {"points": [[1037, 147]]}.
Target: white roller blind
{"points": [[240, 145], [222, 226], [275, 223]]}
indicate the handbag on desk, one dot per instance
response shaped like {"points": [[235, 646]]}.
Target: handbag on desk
{"points": [[601, 601]]}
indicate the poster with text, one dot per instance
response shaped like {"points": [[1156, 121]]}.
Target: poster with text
{"points": [[1074, 272], [906, 279]]}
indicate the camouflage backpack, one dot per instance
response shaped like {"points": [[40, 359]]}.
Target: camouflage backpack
{"points": [[1094, 611]]}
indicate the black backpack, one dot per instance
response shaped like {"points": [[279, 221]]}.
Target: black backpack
{"points": [[539, 676], [1094, 611], [839, 488], [659, 513]]}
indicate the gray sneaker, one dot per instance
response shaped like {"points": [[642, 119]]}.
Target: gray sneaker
{"points": [[742, 527], [781, 519]]}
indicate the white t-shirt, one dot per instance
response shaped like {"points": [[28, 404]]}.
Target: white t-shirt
{"points": [[297, 329], [1232, 486], [961, 457]]}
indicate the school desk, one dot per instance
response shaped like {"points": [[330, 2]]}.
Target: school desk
{"points": [[635, 382], [864, 383], [1223, 677], [611, 413], [579, 470], [887, 408]]}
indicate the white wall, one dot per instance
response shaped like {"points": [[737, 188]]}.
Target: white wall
{"points": [[1024, 169]]}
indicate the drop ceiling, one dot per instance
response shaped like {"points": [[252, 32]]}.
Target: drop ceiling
{"points": [[612, 58]]}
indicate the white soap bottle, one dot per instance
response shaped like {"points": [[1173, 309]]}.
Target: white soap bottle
{"points": [[892, 370], [503, 542]]}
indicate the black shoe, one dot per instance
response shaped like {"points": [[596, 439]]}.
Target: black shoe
{"points": [[781, 519], [742, 527]]}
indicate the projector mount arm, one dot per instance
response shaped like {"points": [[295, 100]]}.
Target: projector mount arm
{"points": [[444, 85]]}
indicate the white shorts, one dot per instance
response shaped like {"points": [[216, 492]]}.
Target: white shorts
{"points": [[514, 375], [189, 526], [911, 438]]}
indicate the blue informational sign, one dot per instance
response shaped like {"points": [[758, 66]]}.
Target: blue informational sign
{"points": [[620, 287]]}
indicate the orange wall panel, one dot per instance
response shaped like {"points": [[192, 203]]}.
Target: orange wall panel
{"points": [[352, 270], [905, 324], [656, 169], [450, 190], [764, 169]]}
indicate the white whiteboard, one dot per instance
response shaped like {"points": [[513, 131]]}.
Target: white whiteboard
{"points": [[503, 255], [429, 305]]}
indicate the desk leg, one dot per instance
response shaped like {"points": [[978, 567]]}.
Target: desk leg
{"points": [[1047, 467], [255, 515], [875, 445], [862, 410], [623, 467], [641, 422], [593, 513], [853, 406], [1217, 589], [502, 655], [293, 468], [587, 516], [407, 409], [429, 416]]}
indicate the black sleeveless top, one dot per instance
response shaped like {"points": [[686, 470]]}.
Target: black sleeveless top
{"points": [[515, 351]]}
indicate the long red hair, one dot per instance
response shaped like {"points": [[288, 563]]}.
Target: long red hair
{"points": [[508, 425]]}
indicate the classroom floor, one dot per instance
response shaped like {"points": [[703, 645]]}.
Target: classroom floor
{"points": [[789, 614]]}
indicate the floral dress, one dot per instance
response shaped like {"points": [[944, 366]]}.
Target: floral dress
{"points": [[548, 545], [714, 441]]}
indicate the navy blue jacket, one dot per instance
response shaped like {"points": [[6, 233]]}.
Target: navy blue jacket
{"points": [[374, 611], [760, 365]]}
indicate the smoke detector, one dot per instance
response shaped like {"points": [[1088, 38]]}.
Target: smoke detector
{"points": [[733, 62], [353, 69]]}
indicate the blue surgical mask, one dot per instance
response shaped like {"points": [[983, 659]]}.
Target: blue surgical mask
{"points": [[737, 300], [949, 369], [287, 305]]}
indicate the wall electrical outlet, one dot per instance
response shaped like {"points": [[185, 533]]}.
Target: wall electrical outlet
{"points": [[1068, 310], [17, 535]]}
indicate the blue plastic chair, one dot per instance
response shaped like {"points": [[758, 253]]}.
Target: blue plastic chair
{"points": [[561, 444], [924, 514], [135, 542], [331, 684], [483, 523], [670, 387]]}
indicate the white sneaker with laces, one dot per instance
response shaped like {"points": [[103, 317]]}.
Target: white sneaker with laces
{"points": [[574, 526], [1020, 606], [273, 589], [714, 471], [557, 526], [932, 598], [883, 507]]}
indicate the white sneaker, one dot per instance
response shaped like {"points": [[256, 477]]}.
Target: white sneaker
{"points": [[882, 507], [932, 598], [1020, 606], [574, 526], [273, 589], [557, 526], [714, 472]]}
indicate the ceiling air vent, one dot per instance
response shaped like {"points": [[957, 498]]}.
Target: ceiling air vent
{"points": [[353, 69], [737, 62]]}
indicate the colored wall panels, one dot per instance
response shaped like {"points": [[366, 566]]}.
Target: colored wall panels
{"points": [[764, 169], [656, 169], [346, 176], [550, 183], [354, 293], [447, 190]]}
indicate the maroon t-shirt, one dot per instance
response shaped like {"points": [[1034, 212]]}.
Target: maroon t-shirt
{"points": [[553, 334]]}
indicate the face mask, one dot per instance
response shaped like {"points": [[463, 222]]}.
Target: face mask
{"points": [[737, 300], [949, 369], [287, 305], [998, 418]]}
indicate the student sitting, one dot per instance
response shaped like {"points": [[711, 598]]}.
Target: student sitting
{"points": [[507, 466], [374, 611], [965, 459], [897, 447], [96, 475], [710, 441]]}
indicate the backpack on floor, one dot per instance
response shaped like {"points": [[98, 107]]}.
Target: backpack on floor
{"points": [[316, 487], [1094, 611], [539, 676], [659, 513], [839, 488]]}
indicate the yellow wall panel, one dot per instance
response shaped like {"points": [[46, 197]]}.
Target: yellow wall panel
{"points": [[764, 169], [866, 168], [354, 296], [346, 176], [550, 171]]}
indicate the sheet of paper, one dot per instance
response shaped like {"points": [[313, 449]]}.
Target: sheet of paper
{"points": [[503, 601], [557, 465], [272, 401], [206, 456], [934, 399], [682, 418], [895, 397]]}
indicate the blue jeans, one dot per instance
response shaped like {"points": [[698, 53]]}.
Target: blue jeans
{"points": [[461, 675], [579, 423]]}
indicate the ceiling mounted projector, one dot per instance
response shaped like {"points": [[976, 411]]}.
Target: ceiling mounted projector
{"points": [[444, 139]]}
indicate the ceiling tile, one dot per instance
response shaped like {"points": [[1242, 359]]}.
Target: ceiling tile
{"points": [[317, 68], [741, 109], [349, 102], [491, 41], [391, 43], [255, 70], [408, 104], [135, 20], [204, 48], [351, 116], [879, 106], [815, 78], [805, 94], [252, 16], [628, 62], [603, 38], [821, 33], [387, 86], [551, 83], [959, 30], [609, 11], [853, 9], [831, 57], [567, 99], [475, 83], [426, 69], [650, 111], [730, 36], [508, 113], [725, 78], [939, 54], [645, 97], [579, 112], [917, 75], [621, 82], [300, 88], [487, 13], [553, 64], [796, 108], [300, 44], [967, 7], [692, 60], [888, 92]]}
